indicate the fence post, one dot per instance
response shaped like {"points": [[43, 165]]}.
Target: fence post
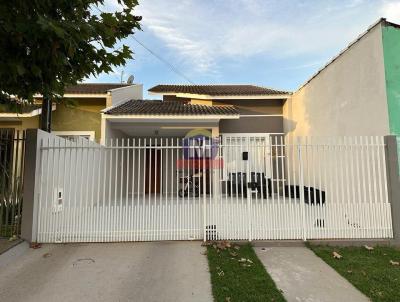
{"points": [[29, 209], [203, 191], [393, 183], [301, 187], [249, 194]]}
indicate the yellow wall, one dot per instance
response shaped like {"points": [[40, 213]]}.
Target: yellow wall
{"points": [[78, 115], [83, 116], [201, 102]]}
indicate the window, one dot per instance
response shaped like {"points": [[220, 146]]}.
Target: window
{"points": [[75, 135]]}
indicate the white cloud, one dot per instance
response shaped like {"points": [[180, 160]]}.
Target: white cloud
{"points": [[391, 11], [202, 33], [199, 35]]}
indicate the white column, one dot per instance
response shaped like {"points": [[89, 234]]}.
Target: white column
{"points": [[103, 129], [216, 172]]}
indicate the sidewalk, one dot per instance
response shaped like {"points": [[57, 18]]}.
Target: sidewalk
{"points": [[302, 276]]}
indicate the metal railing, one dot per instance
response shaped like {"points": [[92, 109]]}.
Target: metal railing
{"points": [[237, 187], [12, 152]]}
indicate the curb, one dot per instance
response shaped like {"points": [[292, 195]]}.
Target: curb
{"points": [[278, 243], [353, 242]]}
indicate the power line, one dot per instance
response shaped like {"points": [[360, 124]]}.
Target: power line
{"points": [[171, 67]]}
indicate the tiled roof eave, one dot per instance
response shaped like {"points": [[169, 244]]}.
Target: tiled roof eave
{"points": [[171, 114], [159, 108]]}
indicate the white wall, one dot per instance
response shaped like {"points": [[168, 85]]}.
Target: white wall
{"points": [[348, 97], [110, 132], [65, 164], [119, 95]]}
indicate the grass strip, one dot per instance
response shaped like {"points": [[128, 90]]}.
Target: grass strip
{"points": [[238, 275], [373, 272]]}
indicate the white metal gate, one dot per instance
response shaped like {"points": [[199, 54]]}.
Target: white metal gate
{"points": [[309, 188], [236, 187]]}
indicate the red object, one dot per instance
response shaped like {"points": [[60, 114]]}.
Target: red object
{"points": [[35, 245], [200, 163]]}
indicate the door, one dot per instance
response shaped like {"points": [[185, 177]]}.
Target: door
{"points": [[153, 171]]}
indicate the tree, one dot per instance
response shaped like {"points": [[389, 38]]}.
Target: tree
{"points": [[46, 45]]}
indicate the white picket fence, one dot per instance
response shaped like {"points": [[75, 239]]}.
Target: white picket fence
{"points": [[237, 188]]}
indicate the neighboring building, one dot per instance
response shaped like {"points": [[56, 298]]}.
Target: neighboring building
{"points": [[262, 106], [78, 115], [356, 93], [20, 117]]}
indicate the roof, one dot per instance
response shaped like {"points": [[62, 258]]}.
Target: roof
{"points": [[93, 88], [158, 107], [217, 90]]}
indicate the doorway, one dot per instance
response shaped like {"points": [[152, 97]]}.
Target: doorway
{"points": [[153, 171]]}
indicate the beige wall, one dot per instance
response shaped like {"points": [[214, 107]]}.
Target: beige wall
{"points": [[201, 102], [346, 98], [84, 116], [250, 124], [174, 98], [254, 107]]}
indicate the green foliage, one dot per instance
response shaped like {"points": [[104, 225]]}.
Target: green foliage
{"points": [[48, 44], [370, 271], [235, 281]]}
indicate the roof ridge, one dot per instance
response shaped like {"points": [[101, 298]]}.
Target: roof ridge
{"points": [[217, 89], [210, 84], [96, 83]]}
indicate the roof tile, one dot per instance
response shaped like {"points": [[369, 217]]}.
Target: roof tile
{"points": [[157, 107], [93, 88], [217, 90]]}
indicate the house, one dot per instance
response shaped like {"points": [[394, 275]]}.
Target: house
{"points": [[79, 115], [223, 109], [151, 179], [234, 113]]}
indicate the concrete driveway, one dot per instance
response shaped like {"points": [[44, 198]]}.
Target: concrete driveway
{"points": [[156, 271]]}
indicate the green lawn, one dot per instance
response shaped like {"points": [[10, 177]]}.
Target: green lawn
{"points": [[370, 271], [233, 280]]}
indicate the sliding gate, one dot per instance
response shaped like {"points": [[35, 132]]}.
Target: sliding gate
{"points": [[234, 187]]}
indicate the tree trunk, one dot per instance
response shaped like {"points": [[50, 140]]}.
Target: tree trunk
{"points": [[45, 120]]}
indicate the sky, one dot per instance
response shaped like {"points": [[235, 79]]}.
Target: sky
{"points": [[272, 43]]}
